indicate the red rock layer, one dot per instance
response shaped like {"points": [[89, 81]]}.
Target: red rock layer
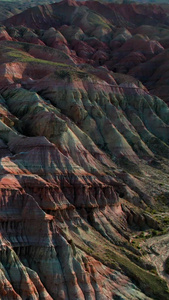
{"points": [[76, 135]]}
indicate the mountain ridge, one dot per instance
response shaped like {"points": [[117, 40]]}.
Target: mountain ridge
{"points": [[84, 147]]}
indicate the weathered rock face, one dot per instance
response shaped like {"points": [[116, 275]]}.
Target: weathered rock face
{"points": [[111, 35], [78, 145]]}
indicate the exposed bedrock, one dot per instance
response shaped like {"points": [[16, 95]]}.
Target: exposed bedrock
{"points": [[54, 256], [84, 147]]}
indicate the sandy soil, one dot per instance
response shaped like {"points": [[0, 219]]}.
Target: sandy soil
{"points": [[157, 249]]}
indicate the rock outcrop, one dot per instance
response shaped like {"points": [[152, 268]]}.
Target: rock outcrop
{"points": [[83, 147]]}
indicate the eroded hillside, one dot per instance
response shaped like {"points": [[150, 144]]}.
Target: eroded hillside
{"points": [[84, 148]]}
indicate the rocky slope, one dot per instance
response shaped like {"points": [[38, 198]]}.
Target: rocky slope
{"points": [[8, 8], [84, 147]]}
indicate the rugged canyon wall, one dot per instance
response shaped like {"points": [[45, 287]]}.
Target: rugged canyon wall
{"points": [[84, 147]]}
